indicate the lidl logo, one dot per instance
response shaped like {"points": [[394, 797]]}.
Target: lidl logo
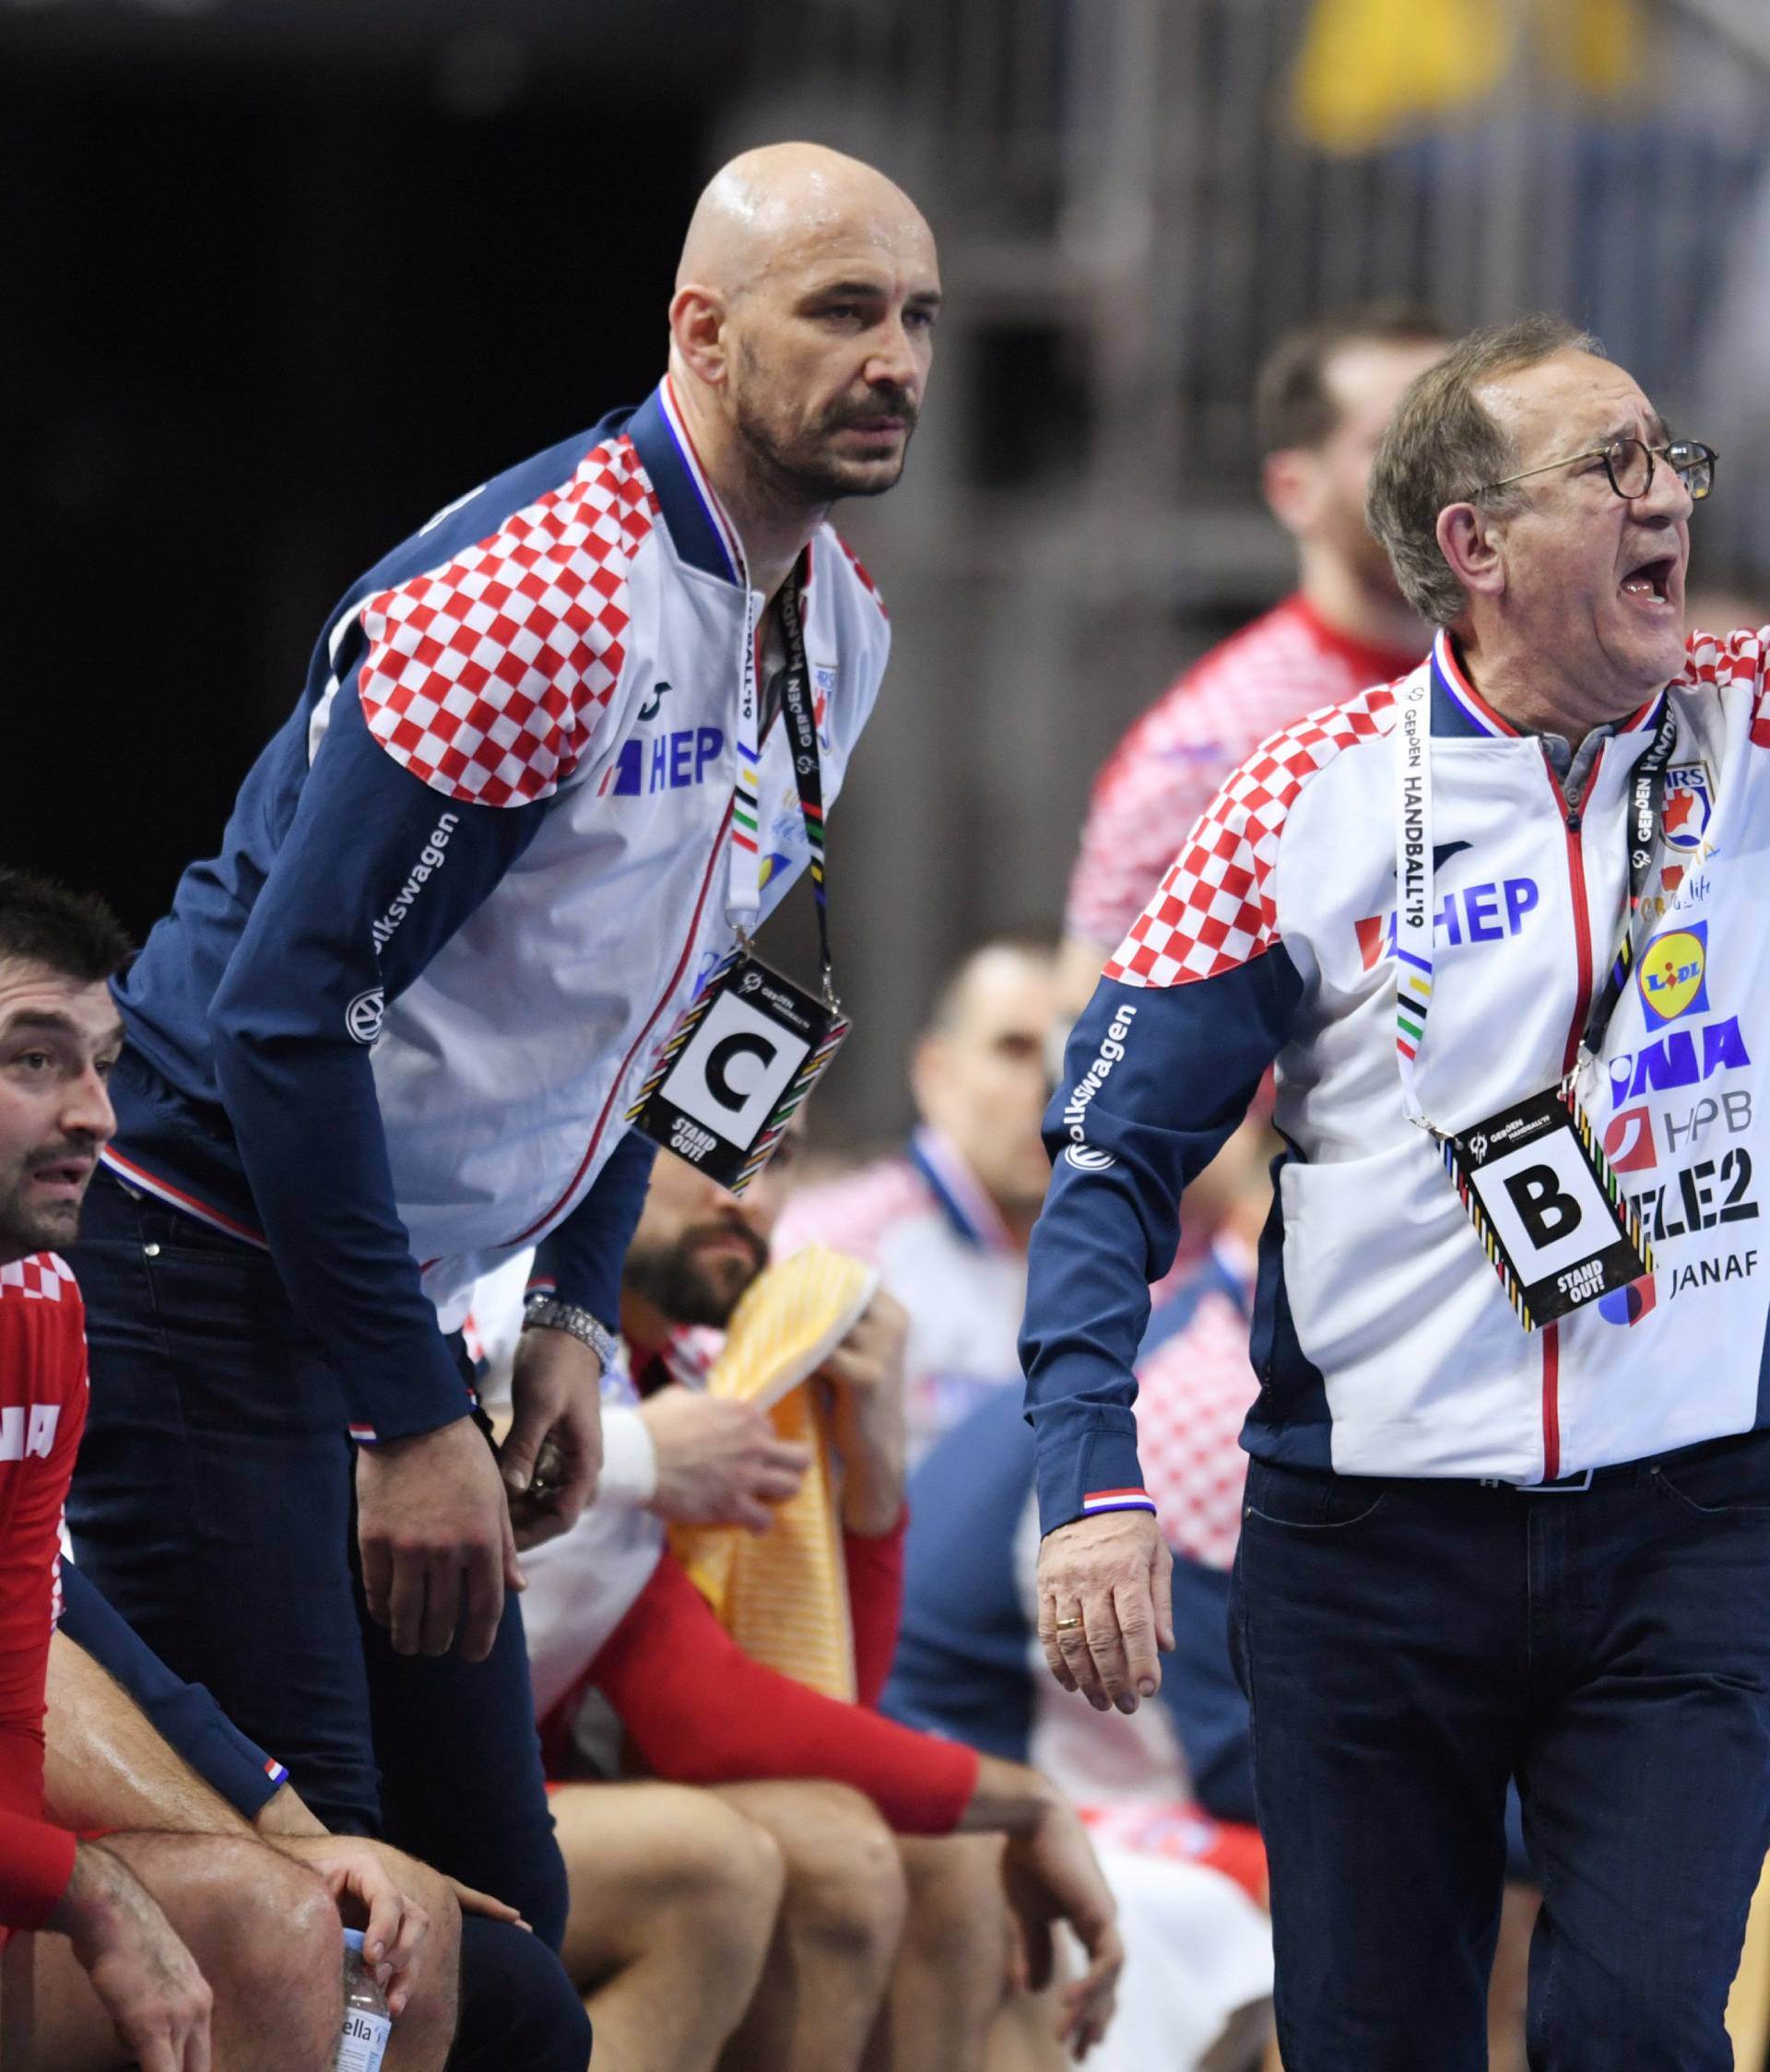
{"points": [[1673, 974], [1688, 804]]}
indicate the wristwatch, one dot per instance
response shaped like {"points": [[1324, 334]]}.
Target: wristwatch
{"points": [[548, 1313]]}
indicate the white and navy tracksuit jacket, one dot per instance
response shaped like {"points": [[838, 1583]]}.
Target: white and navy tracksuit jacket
{"points": [[1383, 1340], [392, 1030]]}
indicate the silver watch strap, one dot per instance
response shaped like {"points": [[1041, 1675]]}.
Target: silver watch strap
{"points": [[548, 1312]]}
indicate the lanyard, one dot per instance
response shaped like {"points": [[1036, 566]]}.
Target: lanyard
{"points": [[744, 902], [1414, 873]]}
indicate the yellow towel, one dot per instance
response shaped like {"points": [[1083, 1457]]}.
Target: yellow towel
{"points": [[1372, 71], [783, 1594], [1748, 2011]]}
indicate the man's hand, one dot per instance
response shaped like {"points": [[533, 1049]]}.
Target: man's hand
{"points": [[285, 1815], [553, 1453], [1050, 1872], [866, 1374], [437, 1547], [146, 1979], [1113, 1572], [367, 1895], [1052, 1875], [719, 1462]]}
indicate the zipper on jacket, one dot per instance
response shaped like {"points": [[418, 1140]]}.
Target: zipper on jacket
{"points": [[1573, 820]]}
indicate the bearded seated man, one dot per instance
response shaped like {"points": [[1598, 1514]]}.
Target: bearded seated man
{"points": [[918, 1882]]}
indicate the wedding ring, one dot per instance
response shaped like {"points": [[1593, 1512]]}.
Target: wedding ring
{"points": [[1068, 1625]]}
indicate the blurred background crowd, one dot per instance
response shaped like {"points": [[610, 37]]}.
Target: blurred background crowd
{"points": [[285, 274]]}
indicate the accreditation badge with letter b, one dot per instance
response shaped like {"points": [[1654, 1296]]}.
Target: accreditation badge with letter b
{"points": [[736, 1068], [1547, 1207]]}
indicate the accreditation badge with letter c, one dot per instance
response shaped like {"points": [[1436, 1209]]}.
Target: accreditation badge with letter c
{"points": [[737, 1066]]}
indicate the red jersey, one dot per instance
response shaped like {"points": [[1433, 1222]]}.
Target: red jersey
{"points": [[43, 1413], [1167, 769]]}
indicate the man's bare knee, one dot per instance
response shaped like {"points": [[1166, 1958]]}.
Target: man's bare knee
{"points": [[844, 1878], [266, 1934], [958, 1908]]}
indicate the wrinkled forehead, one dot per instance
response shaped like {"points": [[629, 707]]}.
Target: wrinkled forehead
{"points": [[1567, 403], [37, 994]]}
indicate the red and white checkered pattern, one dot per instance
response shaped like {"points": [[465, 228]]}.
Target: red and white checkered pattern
{"points": [[1213, 911], [1166, 771], [40, 1279], [484, 677], [1718, 659], [866, 582], [1192, 1394]]}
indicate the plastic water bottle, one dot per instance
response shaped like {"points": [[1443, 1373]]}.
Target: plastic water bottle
{"points": [[366, 2020]]}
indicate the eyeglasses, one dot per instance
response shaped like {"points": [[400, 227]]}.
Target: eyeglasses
{"points": [[1629, 464]]}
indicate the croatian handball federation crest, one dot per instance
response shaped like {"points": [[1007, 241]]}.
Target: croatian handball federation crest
{"points": [[1689, 802]]}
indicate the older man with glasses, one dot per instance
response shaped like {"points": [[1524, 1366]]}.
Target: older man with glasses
{"points": [[1500, 927]]}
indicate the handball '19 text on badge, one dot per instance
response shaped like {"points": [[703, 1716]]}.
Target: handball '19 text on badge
{"points": [[736, 1068], [1547, 1207]]}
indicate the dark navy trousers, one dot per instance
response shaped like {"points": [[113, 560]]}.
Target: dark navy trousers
{"points": [[1407, 1647], [213, 1505]]}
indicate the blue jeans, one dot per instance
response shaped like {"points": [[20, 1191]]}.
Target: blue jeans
{"points": [[213, 1503], [1407, 1647]]}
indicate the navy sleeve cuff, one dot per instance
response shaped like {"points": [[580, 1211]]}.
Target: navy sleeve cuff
{"points": [[581, 1260], [1086, 1461]]}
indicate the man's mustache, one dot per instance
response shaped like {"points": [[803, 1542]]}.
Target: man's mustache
{"points": [[892, 402]]}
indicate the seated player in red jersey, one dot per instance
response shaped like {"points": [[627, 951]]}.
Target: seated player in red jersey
{"points": [[889, 1941], [167, 1952]]}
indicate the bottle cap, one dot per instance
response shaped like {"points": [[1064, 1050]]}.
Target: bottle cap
{"points": [[353, 1940]]}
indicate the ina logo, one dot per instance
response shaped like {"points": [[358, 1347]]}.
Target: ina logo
{"points": [[1674, 974], [364, 1016]]}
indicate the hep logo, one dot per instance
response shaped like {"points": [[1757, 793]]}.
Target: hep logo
{"points": [[1628, 1141], [1478, 913]]}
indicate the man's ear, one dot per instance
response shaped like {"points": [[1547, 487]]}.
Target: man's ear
{"points": [[698, 332], [1469, 540], [1292, 482]]}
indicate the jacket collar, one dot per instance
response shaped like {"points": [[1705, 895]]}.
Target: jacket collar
{"points": [[958, 1192], [1458, 709], [703, 534]]}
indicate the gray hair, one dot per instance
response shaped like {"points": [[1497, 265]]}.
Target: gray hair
{"points": [[1442, 447]]}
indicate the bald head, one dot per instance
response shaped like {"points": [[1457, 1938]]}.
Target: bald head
{"points": [[768, 206], [801, 329]]}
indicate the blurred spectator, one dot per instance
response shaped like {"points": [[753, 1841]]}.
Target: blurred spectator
{"points": [[1167, 1791], [1323, 398], [630, 1664], [945, 1221]]}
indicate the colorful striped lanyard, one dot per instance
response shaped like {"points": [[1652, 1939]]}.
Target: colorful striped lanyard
{"points": [[1415, 872], [744, 903]]}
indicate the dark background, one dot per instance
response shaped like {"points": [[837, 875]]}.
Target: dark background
{"points": [[265, 310]]}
